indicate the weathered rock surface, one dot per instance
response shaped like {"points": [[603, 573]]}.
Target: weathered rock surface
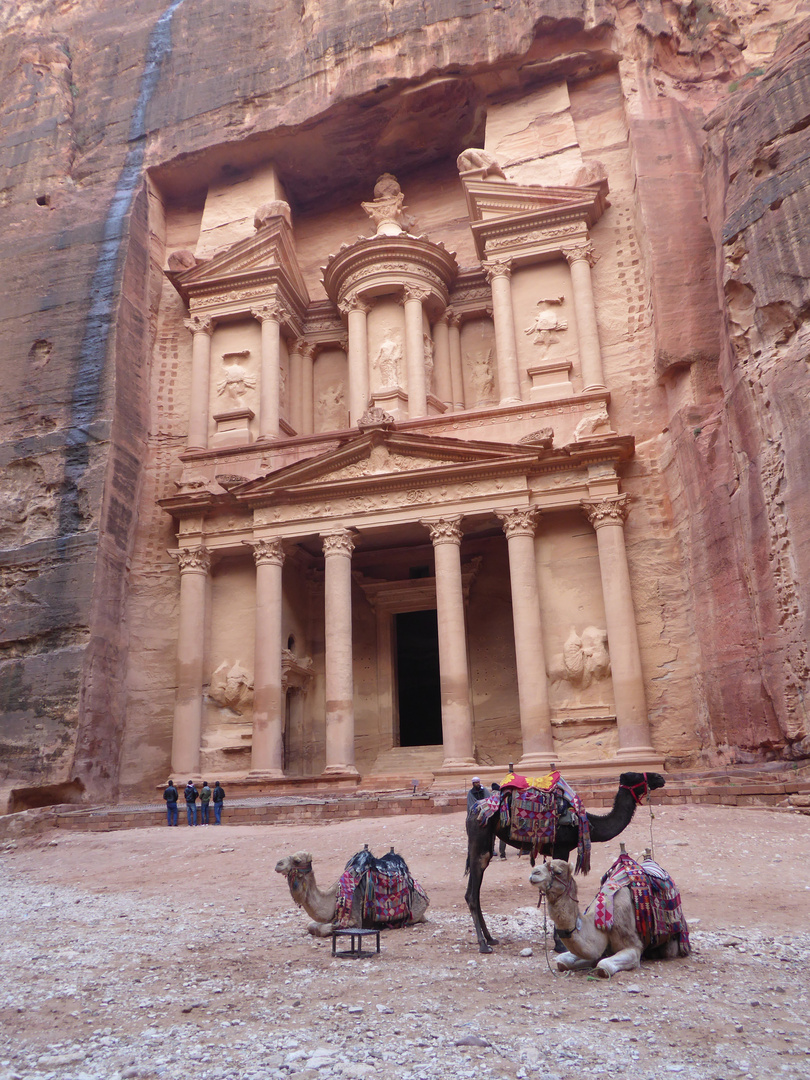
{"points": [[97, 94]]}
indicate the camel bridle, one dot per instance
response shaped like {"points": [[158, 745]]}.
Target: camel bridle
{"points": [[645, 787]]}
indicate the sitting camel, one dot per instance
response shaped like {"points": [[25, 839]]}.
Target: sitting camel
{"points": [[586, 936], [633, 788], [350, 902]]}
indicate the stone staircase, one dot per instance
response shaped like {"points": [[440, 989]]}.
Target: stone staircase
{"points": [[408, 763]]}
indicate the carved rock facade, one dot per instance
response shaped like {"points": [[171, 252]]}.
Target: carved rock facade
{"points": [[320, 396]]}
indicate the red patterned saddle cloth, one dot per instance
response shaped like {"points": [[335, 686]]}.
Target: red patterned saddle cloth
{"points": [[656, 901]]}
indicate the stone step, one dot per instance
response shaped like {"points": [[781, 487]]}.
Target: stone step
{"points": [[416, 762]]}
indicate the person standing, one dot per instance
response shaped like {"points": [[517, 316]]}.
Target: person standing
{"points": [[190, 794], [218, 795], [205, 799], [170, 795], [476, 793]]}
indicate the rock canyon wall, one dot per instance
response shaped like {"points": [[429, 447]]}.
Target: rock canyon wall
{"points": [[133, 130]]}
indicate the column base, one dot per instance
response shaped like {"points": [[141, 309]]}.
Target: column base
{"points": [[340, 770], [510, 401], [536, 764], [593, 387], [645, 758]]}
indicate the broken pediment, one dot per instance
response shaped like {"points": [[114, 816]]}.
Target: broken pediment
{"points": [[504, 215], [386, 459], [261, 265]]}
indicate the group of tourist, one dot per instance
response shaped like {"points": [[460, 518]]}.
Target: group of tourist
{"points": [[206, 795]]}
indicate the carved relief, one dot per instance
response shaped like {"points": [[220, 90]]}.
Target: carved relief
{"points": [[268, 551], [497, 268], [231, 687], [584, 659], [520, 522], [544, 437], [199, 324], [182, 260], [445, 530], [375, 417], [389, 359], [235, 381], [269, 211], [331, 408], [338, 543], [387, 211], [188, 559], [611, 511], [482, 378], [593, 423], [429, 363], [274, 310], [584, 252], [547, 324], [480, 161], [295, 671]]}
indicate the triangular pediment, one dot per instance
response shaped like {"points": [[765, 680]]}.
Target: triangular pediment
{"points": [[269, 255], [384, 459]]}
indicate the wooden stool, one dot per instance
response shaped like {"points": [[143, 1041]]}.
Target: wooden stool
{"points": [[356, 944]]}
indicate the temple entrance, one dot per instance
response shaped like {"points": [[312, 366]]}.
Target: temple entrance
{"points": [[418, 687]]}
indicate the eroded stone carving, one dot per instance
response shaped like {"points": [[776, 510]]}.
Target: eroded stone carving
{"points": [[547, 324], [235, 381], [375, 417], [479, 161], [584, 659], [331, 407], [543, 437], [429, 363], [387, 211], [182, 260], [388, 360], [593, 423], [268, 211], [482, 378], [231, 687]]}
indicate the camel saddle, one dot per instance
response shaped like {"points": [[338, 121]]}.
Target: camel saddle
{"points": [[386, 888], [656, 902]]}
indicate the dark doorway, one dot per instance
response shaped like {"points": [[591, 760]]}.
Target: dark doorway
{"points": [[420, 703]]}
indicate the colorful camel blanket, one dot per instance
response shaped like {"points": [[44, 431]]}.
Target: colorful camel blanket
{"points": [[531, 808], [386, 888], [656, 901]]}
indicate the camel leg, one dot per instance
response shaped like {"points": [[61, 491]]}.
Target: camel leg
{"points": [[624, 960], [479, 861], [567, 961], [320, 929]]}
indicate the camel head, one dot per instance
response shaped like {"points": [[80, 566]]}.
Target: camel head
{"points": [[554, 879], [640, 784], [300, 862]]}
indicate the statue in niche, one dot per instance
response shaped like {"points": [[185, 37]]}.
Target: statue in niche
{"points": [[235, 381], [282, 392], [482, 379], [593, 423], [584, 659], [388, 209], [480, 161], [231, 687], [388, 360], [331, 408], [429, 364], [547, 324]]}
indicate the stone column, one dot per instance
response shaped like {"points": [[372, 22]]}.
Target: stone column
{"points": [[194, 564], [456, 374], [201, 327], [295, 385], [608, 516], [457, 734], [498, 276], [268, 700], [581, 258], [307, 389], [441, 358], [415, 351], [535, 715], [356, 311], [339, 677], [271, 317]]}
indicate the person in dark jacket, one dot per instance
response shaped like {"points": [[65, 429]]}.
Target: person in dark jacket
{"points": [[170, 795], [190, 794], [205, 800], [476, 793], [218, 797]]}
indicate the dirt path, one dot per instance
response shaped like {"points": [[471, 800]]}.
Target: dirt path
{"points": [[178, 953]]}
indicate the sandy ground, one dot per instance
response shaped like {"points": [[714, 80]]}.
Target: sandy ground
{"points": [[179, 953]]}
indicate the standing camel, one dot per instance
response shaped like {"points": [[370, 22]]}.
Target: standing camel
{"points": [[587, 941], [633, 787]]}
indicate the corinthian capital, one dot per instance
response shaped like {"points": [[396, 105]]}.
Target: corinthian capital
{"points": [[272, 310], [353, 302], [268, 551], [340, 542], [610, 511], [580, 252], [494, 268], [415, 292], [519, 522], [199, 324], [196, 559], [445, 530]]}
